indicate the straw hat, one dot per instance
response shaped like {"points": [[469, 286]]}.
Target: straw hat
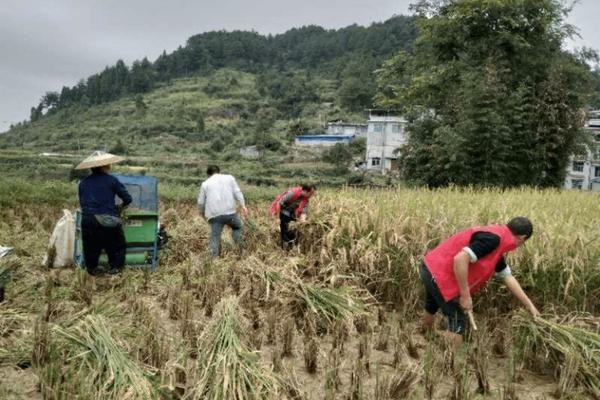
{"points": [[99, 159]]}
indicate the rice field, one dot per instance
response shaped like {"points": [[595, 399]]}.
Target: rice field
{"points": [[335, 318]]}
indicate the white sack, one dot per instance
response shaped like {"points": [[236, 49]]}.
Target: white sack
{"points": [[63, 239]]}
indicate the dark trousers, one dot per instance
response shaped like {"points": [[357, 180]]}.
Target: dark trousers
{"points": [[288, 237], [433, 301], [216, 228], [96, 238]]}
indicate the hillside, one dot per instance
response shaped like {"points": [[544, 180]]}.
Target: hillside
{"points": [[221, 91]]}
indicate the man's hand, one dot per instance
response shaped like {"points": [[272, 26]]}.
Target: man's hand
{"points": [[534, 312], [515, 288], [244, 212], [466, 303]]}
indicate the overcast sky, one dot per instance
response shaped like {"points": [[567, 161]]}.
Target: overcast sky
{"points": [[47, 44]]}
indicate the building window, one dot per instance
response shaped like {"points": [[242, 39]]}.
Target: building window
{"points": [[395, 128], [577, 184], [378, 127], [375, 161], [597, 171], [578, 166]]}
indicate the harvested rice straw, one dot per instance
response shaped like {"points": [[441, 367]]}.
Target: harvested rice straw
{"points": [[572, 350]]}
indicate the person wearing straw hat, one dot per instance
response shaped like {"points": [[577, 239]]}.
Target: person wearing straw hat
{"points": [[462, 264], [101, 227]]}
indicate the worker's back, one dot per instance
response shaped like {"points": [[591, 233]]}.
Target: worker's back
{"points": [[218, 194]]}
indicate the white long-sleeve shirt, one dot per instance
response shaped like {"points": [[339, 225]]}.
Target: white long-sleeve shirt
{"points": [[218, 196]]}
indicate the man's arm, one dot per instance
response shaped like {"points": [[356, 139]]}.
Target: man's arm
{"points": [[461, 272], [515, 288], [239, 196], [122, 192], [202, 200]]}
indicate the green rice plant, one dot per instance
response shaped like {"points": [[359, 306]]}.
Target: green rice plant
{"points": [[228, 370], [96, 363], [568, 345], [332, 304]]}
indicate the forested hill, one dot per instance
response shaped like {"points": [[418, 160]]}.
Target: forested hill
{"points": [[221, 85]]}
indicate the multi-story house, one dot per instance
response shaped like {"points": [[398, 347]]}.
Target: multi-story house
{"points": [[345, 128], [583, 171], [385, 134]]}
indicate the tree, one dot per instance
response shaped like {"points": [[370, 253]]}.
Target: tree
{"points": [[338, 155], [358, 83], [118, 148], [35, 114], [200, 123], [140, 105], [490, 96], [358, 147], [217, 144]]}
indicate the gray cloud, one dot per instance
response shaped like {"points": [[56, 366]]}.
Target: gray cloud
{"points": [[45, 45]]}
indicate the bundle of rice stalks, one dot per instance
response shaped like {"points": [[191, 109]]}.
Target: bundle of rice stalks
{"points": [[11, 320], [228, 369], [96, 363], [572, 350], [332, 304]]}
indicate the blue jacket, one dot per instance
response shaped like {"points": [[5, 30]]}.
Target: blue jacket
{"points": [[97, 194]]}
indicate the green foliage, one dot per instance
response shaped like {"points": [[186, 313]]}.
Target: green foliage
{"points": [[491, 97], [200, 123], [358, 147], [357, 86], [595, 101], [339, 155], [118, 148], [140, 106], [289, 92], [217, 144]]}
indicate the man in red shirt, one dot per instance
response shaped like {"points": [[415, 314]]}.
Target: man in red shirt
{"points": [[462, 264]]}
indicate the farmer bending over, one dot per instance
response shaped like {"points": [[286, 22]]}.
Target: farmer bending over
{"points": [[101, 227], [218, 199], [291, 206], [462, 264]]}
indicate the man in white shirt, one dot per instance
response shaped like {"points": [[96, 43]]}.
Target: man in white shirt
{"points": [[218, 200]]}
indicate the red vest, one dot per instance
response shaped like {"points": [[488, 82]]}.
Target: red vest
{"points": [[296, 194], [440, 260]]}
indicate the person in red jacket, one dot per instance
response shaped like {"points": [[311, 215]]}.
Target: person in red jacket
{"points": [[291, 206], [462, 264]]}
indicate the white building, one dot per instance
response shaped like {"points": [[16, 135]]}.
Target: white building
{"points": [[321, 140], [345, 128], [385, 134], [583, 172], [250, 152]]}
